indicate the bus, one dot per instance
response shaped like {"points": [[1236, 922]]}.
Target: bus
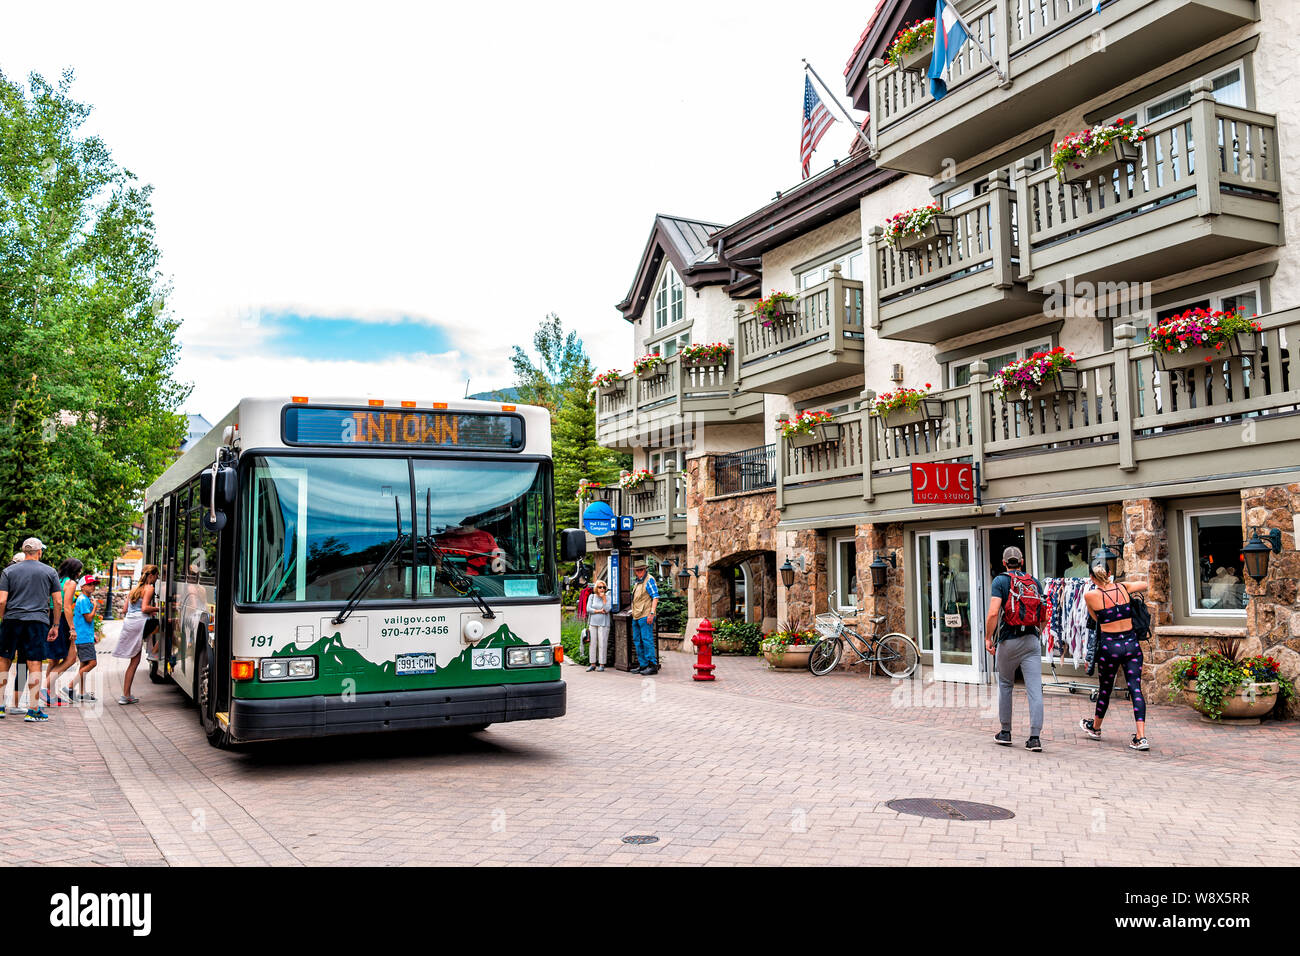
{"points": [[337, 566]]}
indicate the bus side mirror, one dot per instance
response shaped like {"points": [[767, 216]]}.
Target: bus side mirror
{"points": [[218, 488], [573, 544]]}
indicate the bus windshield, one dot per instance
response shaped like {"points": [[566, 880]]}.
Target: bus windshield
{"points": [[312, 527]]}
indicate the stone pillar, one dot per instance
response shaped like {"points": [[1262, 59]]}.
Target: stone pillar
{"points": [[1273, 613]]}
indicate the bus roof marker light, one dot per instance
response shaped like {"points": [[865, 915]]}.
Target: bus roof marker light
{"points": [[507, 408], [439, 404], [376, 402], [408, 404], [299, 399]]}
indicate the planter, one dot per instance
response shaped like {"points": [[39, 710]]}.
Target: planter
{"points": [[619, 385], [655, 371], [1121, 153], [705, 363], [918, 61], [820, 435], [1064, 382], [930, 409], [930, 233], [725, 646], [1251, 701], [795, 656], [1240, 345]]}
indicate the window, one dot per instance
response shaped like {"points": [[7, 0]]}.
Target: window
{"points": [[1229, 89], [1216, 582], [959, 372], [670, 298], [850, 264], [1246, 298], [846, 573], [670, 347], [1064, 549]]}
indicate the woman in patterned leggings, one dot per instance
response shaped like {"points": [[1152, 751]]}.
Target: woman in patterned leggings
{"points": [[1117, 648]]}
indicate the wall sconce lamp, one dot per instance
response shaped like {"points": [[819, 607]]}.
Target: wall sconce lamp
{"points": [[1112, 552], [1255, 553], [788, 569], [880, 567], [684, 576]]}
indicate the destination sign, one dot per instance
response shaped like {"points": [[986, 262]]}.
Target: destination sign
{"points": [[403, 428]]}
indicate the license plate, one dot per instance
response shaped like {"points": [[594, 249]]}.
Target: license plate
{"points": [[416, 664]]}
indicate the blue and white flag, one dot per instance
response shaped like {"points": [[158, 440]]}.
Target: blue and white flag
{"points": [[1096, 6], [949, 35]]}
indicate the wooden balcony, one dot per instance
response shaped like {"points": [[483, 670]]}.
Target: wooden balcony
{"points": [[658, 510], [1060, 53], [1131, 426], [820, 344], [1180, 206], [960, 283], [665, 411]]}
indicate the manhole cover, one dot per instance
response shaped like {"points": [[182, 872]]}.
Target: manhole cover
{"points": [[949, 809], [640, 839]]}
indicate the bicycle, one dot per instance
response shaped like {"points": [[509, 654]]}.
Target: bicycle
{"points": [[897, 654]]}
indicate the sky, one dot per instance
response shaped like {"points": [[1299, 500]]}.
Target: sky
{"points": [[381, 199]]}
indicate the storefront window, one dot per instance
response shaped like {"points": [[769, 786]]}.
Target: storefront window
{"points": [[925, 622], [1063, 550], [846, 577], [1216, 583]]}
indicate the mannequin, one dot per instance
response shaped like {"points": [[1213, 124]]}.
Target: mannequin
{"points": [[1078, 568], [1225, 589]]}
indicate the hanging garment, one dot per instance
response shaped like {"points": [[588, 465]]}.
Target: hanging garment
{"points": [[1066, 631]]}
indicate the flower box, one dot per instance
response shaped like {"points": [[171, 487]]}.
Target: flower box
{"points": [[929, 409], [1064, 382], [1121, 152], [617, 385], [787, 657], [705, 362], [1237, 346], [918, 61], [652, 371], [929, 233], [820, 435]]}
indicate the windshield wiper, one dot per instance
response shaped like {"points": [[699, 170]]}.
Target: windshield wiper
{"points": [[459, 581], [372, 575]]}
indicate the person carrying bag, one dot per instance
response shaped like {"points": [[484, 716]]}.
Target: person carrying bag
{"points": [[598, 608], [1011, 633]]}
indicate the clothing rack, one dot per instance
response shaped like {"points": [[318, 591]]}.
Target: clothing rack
{"points": [[1075, 686]]}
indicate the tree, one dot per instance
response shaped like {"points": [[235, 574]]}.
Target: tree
{"points": [[87, 347], [560, 354]]}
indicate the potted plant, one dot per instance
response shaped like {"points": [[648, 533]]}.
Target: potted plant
{"points": [[1199, 336], [1041, 374], [777, 307], [737, 637], [649, 366], [913, 47], [1088, 153], [1220, 684], [585, 491], [705, 356], [810, 428], [906, 406], [636, 481], [915, 229], [789, 645], [610, 381]]}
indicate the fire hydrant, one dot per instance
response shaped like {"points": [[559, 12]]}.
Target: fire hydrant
{"points": [[703, 641]]}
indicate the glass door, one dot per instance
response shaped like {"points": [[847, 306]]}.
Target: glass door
{"points": [[957, 627]]}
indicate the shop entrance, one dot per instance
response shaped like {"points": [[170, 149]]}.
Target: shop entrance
{"points": [[951, 594]]}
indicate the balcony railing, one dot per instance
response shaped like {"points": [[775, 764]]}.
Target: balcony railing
{"points": [[657, 507], [822, 342], [1130, 423], [664, 410], [1053, 53], [753, 469], [1125, 225]]}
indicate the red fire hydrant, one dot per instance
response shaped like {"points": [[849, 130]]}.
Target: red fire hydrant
{"points": [[703, 641]]}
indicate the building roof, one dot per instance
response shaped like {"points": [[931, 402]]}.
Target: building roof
{"points": [[886, 20], [686, 243], [866, 33]]}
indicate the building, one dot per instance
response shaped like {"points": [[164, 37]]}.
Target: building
{"points": [[196, 427], [1173, 469]]}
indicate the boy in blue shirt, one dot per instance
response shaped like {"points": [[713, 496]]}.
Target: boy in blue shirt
{"points": [[83, 618]]}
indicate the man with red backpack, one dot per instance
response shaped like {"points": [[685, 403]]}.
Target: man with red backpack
{"points": [[1016, 611]]}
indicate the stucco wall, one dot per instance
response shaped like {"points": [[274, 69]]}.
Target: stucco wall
{"points": [[709, 318]]}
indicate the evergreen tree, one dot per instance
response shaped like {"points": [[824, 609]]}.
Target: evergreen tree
{"points": [[87, 347], [577, 455]]}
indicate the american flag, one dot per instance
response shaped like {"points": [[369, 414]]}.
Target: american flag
{"points": [[816, 121]]}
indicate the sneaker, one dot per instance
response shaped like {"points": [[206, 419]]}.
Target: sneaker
{"points": [[87, 698], [2, 712], [66, 697], [591, 668], [1003, 737], [121, 700], [1085, 724], [600, 668], [1139, 743], [36, 716], [1034, 744], [45, 698]]}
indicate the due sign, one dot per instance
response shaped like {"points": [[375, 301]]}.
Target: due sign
{"points": [[943, 483]]}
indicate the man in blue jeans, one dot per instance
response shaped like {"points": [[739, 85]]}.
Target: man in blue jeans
{"points": [[645, 602]]}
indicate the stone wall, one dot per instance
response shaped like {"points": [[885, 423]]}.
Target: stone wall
{"points": [[1273, 614]]}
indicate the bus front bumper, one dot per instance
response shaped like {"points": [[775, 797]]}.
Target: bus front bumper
{"points": [[323, 716]]}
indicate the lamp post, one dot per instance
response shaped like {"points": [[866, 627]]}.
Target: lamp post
{"points": [[1255, 552]]}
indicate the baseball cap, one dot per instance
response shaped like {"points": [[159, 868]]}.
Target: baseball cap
{"points": [[1012, 553], [32, 545], [88, 579]]}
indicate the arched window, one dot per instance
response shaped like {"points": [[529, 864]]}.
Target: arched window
{"points": [[670, 298]]}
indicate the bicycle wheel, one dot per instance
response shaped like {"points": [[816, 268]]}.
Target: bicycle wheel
{"points": [[897, 655], [825, 655]]}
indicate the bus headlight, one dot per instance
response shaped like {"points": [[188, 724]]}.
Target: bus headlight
{"points": [[542, 656], [537, 656], [287, 668], [517, 657]]}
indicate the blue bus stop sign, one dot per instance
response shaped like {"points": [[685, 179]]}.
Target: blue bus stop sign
{"points": [[598, 519], [624, 522]]}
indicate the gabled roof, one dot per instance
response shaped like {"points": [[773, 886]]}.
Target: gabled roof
{"points": [[887, 19], [686, 244]]}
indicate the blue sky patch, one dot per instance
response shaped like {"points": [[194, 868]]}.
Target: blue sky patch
{"points": [[314, 337]]}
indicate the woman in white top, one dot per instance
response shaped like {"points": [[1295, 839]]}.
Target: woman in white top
{"points": [[140, 607], [598, 606]]}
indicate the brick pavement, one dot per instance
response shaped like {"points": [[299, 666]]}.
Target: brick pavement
{"points": [[759, 767]]}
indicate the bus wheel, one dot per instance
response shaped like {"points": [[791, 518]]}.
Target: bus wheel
{"points": [[203, 696]]}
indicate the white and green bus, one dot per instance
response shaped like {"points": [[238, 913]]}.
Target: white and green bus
{"points": [[335, 566]]}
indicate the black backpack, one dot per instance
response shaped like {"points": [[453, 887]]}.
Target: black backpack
{"points": [[1141, 616]]}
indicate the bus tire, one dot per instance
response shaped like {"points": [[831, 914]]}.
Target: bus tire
{"points": [[203, 682]]}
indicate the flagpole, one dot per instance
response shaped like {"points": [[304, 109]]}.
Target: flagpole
{"points": [[970, 35], [845, 113]]}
